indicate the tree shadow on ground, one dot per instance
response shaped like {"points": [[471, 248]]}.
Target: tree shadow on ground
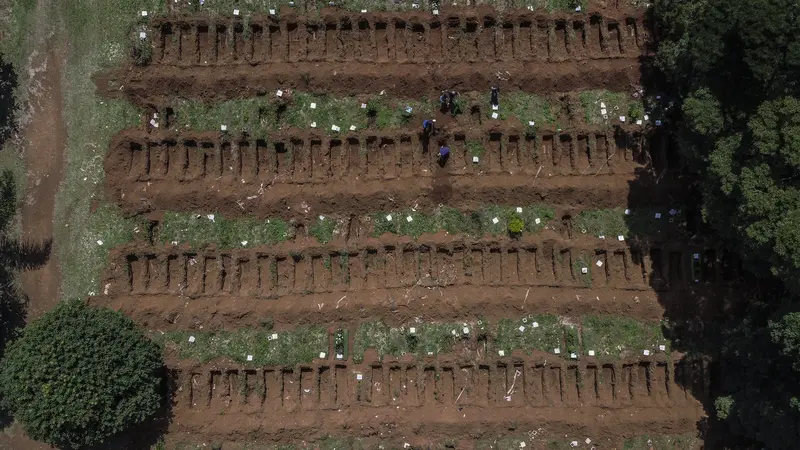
{"points": [[8, 103]]}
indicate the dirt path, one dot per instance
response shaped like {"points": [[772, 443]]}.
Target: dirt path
{"points": [[45, 137]]}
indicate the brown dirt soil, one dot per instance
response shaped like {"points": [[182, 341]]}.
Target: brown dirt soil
{"points": [[412, 37], [447, 397], [172, 287], [160, 84], [360, 173], [45, 139]]}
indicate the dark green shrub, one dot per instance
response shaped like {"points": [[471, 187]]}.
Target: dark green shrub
{"points": [[79, 375]]}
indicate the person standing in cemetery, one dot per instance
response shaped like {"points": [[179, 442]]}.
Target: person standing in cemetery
{"points": [[444, 153], [444, 101], [427, 127], [451, 96], [495, 96]]}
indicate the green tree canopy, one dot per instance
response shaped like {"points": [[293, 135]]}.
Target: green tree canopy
{"points": [[79, 375]]}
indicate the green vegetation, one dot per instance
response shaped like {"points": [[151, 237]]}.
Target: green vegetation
{"points": [[453, 221], [616, 104], [475, 148], [200, 230], [662, 442], [581, 263], [262, 115], [426, 339], [300, 345], [642, 222], [526, 108], [323, 229], [79, 375], [617, 337], [737, 109], [533, 332]]}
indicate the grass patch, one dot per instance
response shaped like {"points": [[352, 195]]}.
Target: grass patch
{"points": [[297, 346], [580, 263], [98, 33], [200, 230], [526, 108], [475, 148], [390, 113], [664, 442], [617, 337], [323, 229], [453, 221], [546, 337], [616, 104], [257, 116], [427, 339], [637, 223], [327, 111]]}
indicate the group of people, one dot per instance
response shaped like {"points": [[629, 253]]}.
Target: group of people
{"points": [[447, 103]]}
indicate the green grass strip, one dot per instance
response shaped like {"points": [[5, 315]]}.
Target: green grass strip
{"points": [[200, 230], [301, 345]]}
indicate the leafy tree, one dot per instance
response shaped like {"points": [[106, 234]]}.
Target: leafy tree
{"points": [[79, 375]]}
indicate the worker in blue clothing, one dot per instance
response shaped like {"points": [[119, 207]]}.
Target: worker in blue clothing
{"points": [[444, 153], [427, 127]]}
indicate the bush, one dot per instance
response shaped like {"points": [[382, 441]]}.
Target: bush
{"points": [[142, 51], [515, 225], [723, 405], [79, 375]]}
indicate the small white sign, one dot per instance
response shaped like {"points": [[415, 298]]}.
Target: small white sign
{"points": [[531, 123], [336, 128], [658, 215], [359, 377], [389, 217], [627, 212], [495, 220], [412, 330], [622, 118], [274, 336], [573, 356], [591, 352], [352, 128], [662, 347], [573, 444], [322, 355], [409, 219], [313, 106], [99, 242], [142, 35], [191, 339], [535, 324], [210, 217], [557, 351], [601, 236], [144, 13], [249, 357], [279, 93], [521, 445], [363, 11], [603, 111], [538, 221], [313, 124], [501, 352], [521, 328], [588, 441], [495, 116], [339, 356], [603, 105], [475, 159], [646, 352], [465, 330], [646, 117], [272, 11], [639, 122], [409, 109], [235, 12], [620, 238], [244, 243], [696, 256], [599, 263], [658, 123], [519, 209], [584, 270], [223, 128], [673, 211]]}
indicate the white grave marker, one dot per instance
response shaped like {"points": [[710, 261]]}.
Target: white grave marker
{"points": [[501, 352], [389, 217], [321, 355], [622, 118], [662, 347], [359, 377], [599, 263], [521, 328], [249, 357], [144, 13], [531, 123], [495, 220], [535, 324], [646, 352], [352, 128], [191, 339], [412, 330], [363, 106], [475, 159], [223, 128], [519, 209], [620, 238], [235, 12], [336, 128], [313, 124], [495, 107], [557, 351], [409, 219], [627, 212], [279, 93], [313, 106], [584, 270], [495, 116], [538, 221], [142, 35], [573, 356], [591, 352]]}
